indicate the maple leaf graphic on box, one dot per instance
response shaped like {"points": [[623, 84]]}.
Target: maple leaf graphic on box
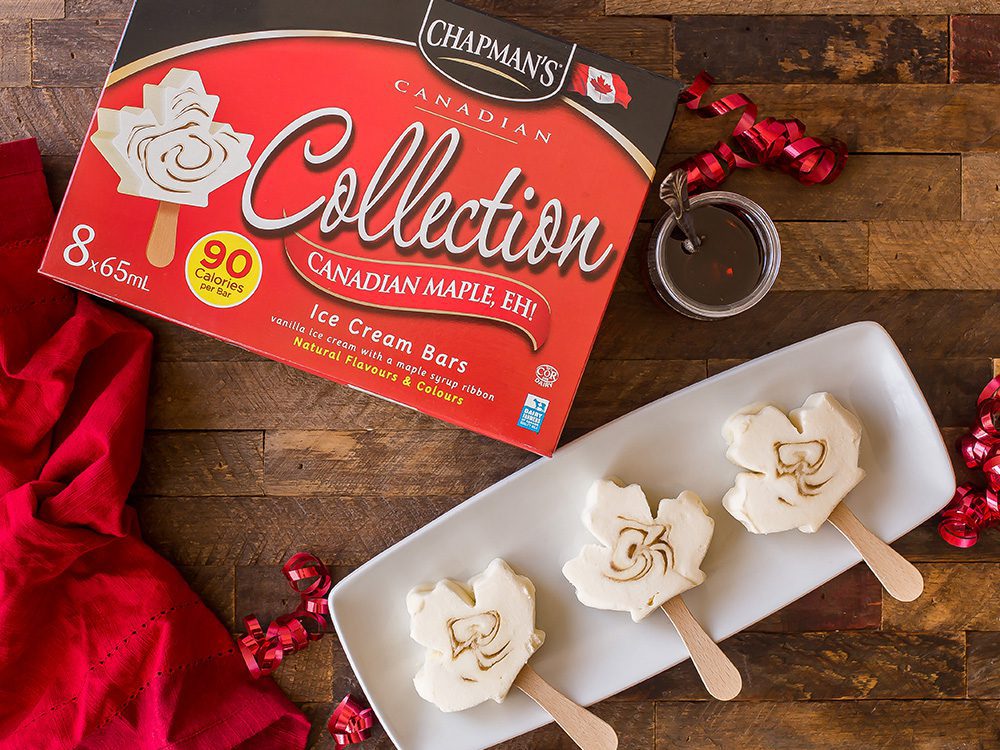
{"points": [[601, 85]]}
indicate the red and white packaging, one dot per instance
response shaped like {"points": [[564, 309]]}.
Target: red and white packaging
{"points": [[412, 198]]}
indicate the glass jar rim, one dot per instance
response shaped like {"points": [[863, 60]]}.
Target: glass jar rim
{"points": [[764, 228]]}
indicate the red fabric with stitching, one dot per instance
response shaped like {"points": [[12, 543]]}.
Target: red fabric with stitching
{"points": [[102, 643]]}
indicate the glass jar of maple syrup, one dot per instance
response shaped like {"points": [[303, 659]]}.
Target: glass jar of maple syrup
{"points": [[732, 270]]}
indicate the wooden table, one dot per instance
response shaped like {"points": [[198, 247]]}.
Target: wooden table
{"points": [[248, 461]]}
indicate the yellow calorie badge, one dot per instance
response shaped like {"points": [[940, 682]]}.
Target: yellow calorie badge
{"points": [[223, 269]]}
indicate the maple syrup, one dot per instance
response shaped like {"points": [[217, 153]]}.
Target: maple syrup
{"points": [[732, 269]]}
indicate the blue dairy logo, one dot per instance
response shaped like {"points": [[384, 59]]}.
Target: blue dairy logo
{"points": [[533, 413]]}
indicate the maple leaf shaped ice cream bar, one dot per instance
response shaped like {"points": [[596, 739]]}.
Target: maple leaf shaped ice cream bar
{"points": [[171, 151], [478, 638], [644, 562], [800, 467]]}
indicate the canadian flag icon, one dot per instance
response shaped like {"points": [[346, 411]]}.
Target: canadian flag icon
{"points": [[599, 85]]}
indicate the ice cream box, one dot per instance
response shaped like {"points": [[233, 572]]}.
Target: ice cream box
{"points": [[415, 199]]}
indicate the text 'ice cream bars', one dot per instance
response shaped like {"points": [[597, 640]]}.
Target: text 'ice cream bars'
{"points": [[409, 197]]}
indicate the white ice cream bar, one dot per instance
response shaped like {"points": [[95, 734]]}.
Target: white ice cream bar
{"points": [[170, 149], [478, 636], [641, 561], [799, 466]]}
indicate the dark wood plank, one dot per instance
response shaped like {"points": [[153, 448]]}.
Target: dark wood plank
{"points": [[268, 530], [215, 585], [858, 665], [984, 665], [634, 723], [645, 42], [202, 464], [386, 462], [73, 52], [886, 187], [268, 395], [832, 49], [98, 8], [951, 386], [822, 725], [981, 187], [58, 118], [924, 324], [924, 544], [265, 395], [612, 388], [956, 597], [851, 601], [15, 62], [532, 8], [31, 8], [935, 255], [975, 49], [307, 676], [945, 118], [794, 7]]}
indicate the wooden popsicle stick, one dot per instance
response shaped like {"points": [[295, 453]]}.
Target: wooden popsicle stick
{"points": [[163, 237], [585, 729], [897, 574], [720, 675]]}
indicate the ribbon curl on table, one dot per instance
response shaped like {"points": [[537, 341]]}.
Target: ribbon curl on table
{"points": [[263, 651], [779, 144], [351, 723], [973, 510]]}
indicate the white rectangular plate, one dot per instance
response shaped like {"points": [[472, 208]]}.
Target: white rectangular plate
{"points": [[532, 519]]}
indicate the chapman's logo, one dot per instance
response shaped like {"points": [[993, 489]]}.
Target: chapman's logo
{"points": [[491, 57]]}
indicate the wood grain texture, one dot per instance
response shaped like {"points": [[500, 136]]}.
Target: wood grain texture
{"points": [[887, 187], [31, 8], [202, 463], [821, 725], [981, 187], [307, 676], [56, 117], [943, 118], [851, 601], [15, 53], [921, 322], [858, 665], [984, 665], [215, 585], [956, 597], [975, 49], [75, 52], [98, 8], [833, 49], [924, 544], [340, 530], [794, 7], [935, 255], [385, 462], [644, 42]]}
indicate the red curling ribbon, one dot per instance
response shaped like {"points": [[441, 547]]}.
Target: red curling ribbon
{"points": [[970, 512], [263, 650], [351, 722], [779, 144], [973, 510]]}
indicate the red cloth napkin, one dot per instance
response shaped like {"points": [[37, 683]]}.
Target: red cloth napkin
{"points": [[102, 644]]}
